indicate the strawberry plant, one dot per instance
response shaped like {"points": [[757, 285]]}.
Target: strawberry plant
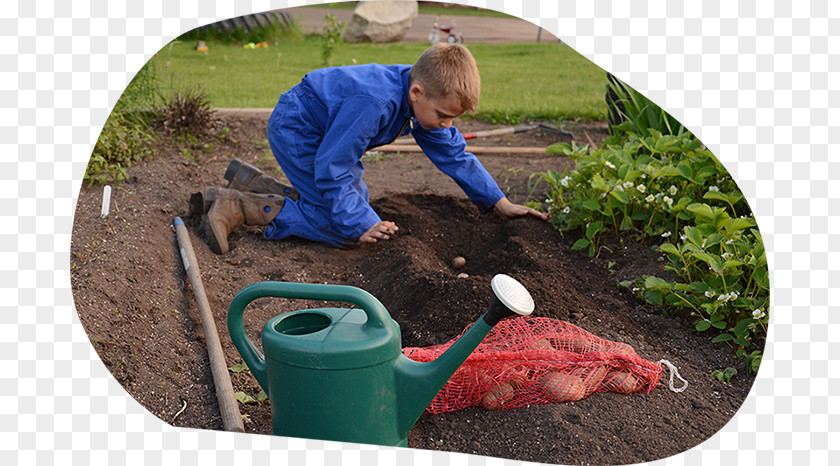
{"points": [[670, 188], [641, 187]]}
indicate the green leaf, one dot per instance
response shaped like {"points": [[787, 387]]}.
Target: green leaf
{"points": [[599, 184], [700, 287], [722, 337], [622, 171], [626, 224], [685, 171], [591, 204], [580, 244], [737, 224], [715, 264], [238, 368], [669, 248], [703, 211], [244, 398], [716, 196], [657, 283], [653, 297], [730, 264], [668, 170], [703, 325], [665, 142], [755, 362], [261, 396], [707, 258], [741, 328], [593, 229], [620, 196], [560, 148], [694, 236]]}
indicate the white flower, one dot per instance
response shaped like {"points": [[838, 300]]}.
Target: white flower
{"points": [[668, 201], [549, 200], [683, 237], [644, 176], [704, 244], [709, 294], [726, 255], [666, 234], [628, 184], [731, 296], [565, 181], [673, 190], [566, 210], [650, 198], [758, 314], [609, 164], [641, 188], [730, 241], [618, 187], [714, 188]]}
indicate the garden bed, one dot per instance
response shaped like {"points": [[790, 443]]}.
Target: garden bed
{"points": [[136, 304]]}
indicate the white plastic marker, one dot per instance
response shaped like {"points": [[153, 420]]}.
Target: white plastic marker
{"points": [[106, 201]]}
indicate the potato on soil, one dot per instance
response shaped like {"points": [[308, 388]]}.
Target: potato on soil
{"points": [[593, 377], [458, 262], [560, 387], [623, 382], [484, 378], [542, 344], [497, 396], [575, 344]]}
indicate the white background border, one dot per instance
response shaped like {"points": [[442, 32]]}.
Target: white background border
{"points": [[757, 82]]}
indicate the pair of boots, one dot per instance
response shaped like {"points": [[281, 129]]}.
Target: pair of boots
{"points": [[251, 198]]}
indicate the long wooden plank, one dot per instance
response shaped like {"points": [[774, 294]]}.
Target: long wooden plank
{"points": [[474, 149]]}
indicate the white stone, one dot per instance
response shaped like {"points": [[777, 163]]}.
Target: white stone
{"points": [[381, 21]]}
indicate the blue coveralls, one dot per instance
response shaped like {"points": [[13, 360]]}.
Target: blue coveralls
{"points": [[321, 128]]}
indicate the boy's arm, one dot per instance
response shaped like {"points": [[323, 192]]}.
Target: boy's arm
{"points": [[338, 168], [446, 148]]}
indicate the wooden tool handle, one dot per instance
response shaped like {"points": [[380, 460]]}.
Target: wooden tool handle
{"points": [[231, 417]]}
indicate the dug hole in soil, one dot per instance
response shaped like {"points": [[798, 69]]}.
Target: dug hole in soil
{"points": [[140, 313]]}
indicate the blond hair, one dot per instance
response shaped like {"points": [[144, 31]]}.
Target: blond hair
{"points": [[448, 69]]}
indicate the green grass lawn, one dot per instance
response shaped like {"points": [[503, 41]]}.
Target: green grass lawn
{"points": [[543, 81]]}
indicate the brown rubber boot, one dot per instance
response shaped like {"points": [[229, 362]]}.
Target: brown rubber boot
{"points": [[243, 176], [230, 209]]}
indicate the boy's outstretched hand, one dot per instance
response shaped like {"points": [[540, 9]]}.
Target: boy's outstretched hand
{"points": [[380, 230], [510, 210]]}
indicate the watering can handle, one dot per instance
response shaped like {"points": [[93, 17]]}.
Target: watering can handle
{"points": [[377, 315]]}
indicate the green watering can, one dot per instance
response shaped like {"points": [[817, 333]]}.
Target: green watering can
{"points": [[339, 374]]}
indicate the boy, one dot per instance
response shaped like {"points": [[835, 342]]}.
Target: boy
{"points": [[319, 131]]}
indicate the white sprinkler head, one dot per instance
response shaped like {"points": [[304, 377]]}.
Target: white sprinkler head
{"points": [[512, 294]]}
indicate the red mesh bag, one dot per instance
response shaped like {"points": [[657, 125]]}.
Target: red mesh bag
{"points": [[535, 360]]}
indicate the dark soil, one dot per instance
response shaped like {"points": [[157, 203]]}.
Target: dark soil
{"points": [[138, 307]]}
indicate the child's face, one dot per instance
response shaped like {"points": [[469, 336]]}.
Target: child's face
{"points": [[433, 113]]}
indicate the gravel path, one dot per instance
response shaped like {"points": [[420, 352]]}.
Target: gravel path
{"points": [[476, 29]]}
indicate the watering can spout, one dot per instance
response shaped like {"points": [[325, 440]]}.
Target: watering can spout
{"points": [[419, 382]]}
